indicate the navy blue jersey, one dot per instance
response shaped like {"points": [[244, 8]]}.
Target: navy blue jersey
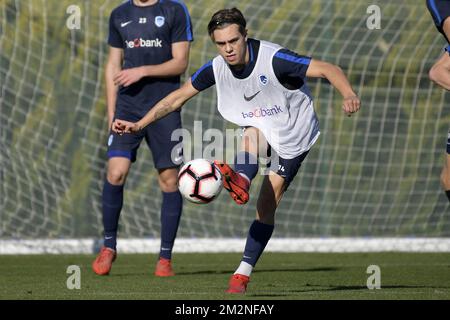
{"points": [[440, 11], [146, 35], [289, 67]]}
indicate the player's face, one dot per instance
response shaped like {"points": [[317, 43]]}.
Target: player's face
{"points": [[232, 45]]}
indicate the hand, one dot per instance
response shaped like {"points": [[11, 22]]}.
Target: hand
{"points": [[127, 77], [122, 126], [351, 105]]}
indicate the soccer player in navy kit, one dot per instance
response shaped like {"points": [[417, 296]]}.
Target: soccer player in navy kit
{"points": [[440, 72], [149, 49], [260, 86]]}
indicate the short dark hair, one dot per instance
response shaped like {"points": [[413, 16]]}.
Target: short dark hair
{"points": [[225, 17]]}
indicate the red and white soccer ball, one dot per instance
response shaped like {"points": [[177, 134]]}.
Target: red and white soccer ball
{"points": [[199, 181]]}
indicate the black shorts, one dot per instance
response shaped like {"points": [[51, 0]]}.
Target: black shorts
{"points": [[440, 10], [166, 153]]}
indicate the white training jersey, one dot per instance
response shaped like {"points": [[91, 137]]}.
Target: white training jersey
{"points": [[285, 117]]}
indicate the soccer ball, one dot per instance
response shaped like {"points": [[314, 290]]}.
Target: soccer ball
{"points": [[199, 181]]}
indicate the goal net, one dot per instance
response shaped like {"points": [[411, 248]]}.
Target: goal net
{"points": [[374, 175]]}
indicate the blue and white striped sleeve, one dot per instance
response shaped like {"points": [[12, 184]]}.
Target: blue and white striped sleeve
{"points": [[289, 64], [204, 77], [182, 27]]}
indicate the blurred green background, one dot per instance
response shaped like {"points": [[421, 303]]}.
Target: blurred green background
{"points": [[374, 174]]}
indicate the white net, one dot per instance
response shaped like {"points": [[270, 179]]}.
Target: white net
{"points": [[375, 174]]}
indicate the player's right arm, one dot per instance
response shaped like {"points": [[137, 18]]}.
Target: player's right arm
{"points": [[170, 103], [113, 66]]}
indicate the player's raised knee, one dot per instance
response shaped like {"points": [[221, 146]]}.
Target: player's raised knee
{"points": [[168, 184], [116, 176]]}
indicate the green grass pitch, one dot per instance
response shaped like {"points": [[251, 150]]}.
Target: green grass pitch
{"points": [[205, 276]]}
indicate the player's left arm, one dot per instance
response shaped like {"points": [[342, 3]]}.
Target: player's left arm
{"points": [[173, 67], [334, 74]]}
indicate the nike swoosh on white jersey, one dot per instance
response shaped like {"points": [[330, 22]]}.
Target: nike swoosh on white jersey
{"points": [[251, 97], [124, 24]]}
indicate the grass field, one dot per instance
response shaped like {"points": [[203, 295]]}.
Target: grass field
{"points": [[205, 276]]}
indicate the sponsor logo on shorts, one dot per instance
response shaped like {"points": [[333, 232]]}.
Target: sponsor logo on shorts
{"points": [[110, 140]]}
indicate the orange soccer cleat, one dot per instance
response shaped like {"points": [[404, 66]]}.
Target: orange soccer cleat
{"points": [[236, 184], [164, 268], [238, 283], [102, 264]]}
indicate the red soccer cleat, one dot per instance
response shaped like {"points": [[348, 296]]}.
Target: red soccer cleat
{"points": [[164, 268], [238, 283], [236, 184], [102, 264]]}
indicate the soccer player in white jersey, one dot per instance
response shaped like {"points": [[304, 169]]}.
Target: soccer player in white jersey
{"points": [[261, 87]]}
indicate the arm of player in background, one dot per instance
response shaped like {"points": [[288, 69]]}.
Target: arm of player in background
{"points": [[173, 67], [334, 74], [113, 66], [170, 103]]}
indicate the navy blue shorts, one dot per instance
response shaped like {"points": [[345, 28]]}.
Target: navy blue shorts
{"points": [[166, 153], [440, 10], [286, 168]]}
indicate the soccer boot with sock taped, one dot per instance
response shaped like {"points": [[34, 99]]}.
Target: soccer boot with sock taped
{"points": [[234, 183]]}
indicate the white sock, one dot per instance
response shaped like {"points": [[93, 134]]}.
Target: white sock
{"points": [[245, 176], [244, 268]]}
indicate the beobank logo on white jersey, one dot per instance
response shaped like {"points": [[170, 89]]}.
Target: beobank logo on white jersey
{"points": [[142, 43], [262, 112]]}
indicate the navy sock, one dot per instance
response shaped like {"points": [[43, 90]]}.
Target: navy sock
{"points": [[258, 236], [247, 164], [172, 205], [448, 194], [112, 201]]}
